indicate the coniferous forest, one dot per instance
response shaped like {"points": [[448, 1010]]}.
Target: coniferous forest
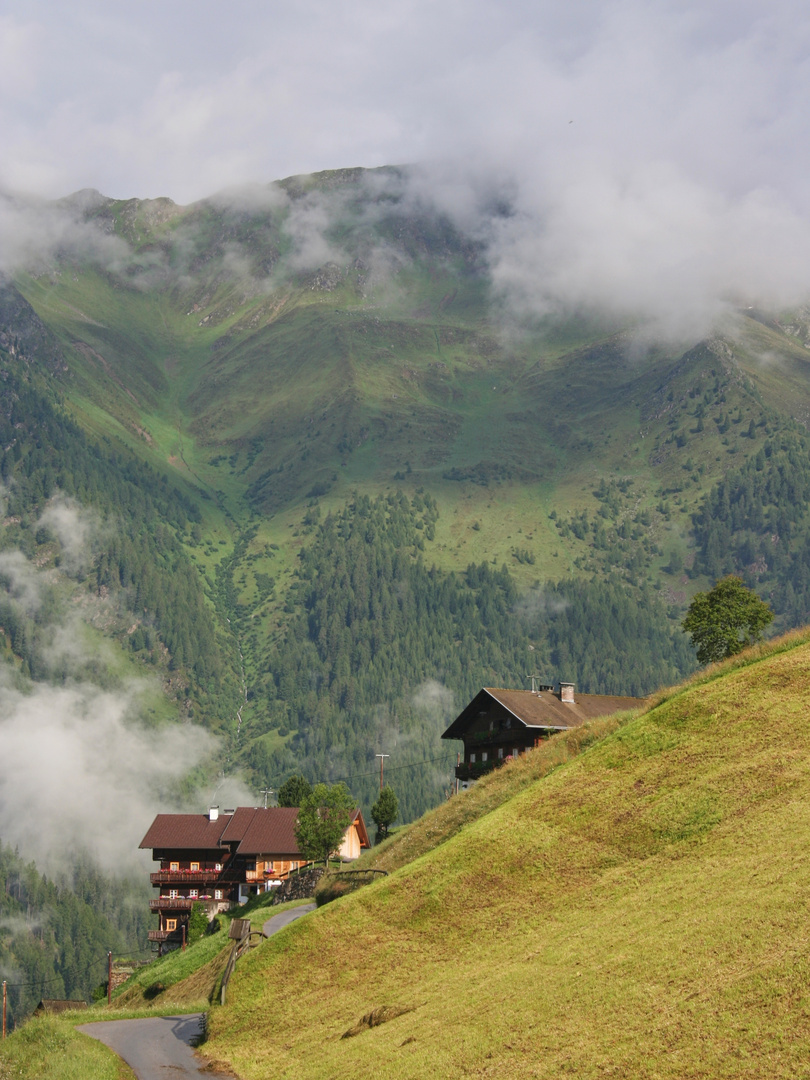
{"points": [[311, 510]]}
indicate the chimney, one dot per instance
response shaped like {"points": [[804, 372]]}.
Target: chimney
{"points": [[567, 692], [213, 813]]}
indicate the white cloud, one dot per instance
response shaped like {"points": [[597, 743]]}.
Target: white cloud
{"points": [[80, 773], [655, 151]]}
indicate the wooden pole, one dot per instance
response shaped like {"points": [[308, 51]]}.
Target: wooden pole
{"points": [[109, 978], [382, 758], [184, 936], [4, 1008]]}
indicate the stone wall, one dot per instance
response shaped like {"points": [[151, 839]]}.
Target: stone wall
{"points": [[299, 886]]}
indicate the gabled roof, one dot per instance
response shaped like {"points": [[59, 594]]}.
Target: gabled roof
{"points": [[360, 825], [541, 709], [270, 832], [254, 831], [192, 832]]}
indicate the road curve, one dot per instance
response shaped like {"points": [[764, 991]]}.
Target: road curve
{"points": [[284, 918], [161, 1046], [157, 1047]]}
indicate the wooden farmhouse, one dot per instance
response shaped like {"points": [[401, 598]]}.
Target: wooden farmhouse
{"points": [[220, 859], [498, 725]]}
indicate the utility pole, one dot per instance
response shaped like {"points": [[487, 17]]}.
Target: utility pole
{"points": [[109, 978], [382, 758], [4, 1008], [267, 791], [183, 927]]}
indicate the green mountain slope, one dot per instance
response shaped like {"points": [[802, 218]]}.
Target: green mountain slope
{"points": [[269, 358], [639, 911]]}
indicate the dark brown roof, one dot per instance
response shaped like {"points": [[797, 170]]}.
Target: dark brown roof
{"points": [[193, 832], [270, 832], [541, 709], [256, 831], [57, 1005], [237, 824]]}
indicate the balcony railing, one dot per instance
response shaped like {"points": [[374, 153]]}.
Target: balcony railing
{"points": [[171, 903], [195, 877], [164, 935]]}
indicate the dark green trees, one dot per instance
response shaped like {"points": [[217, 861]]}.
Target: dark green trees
{"points": [[323, 817], [294, 790], [384, 812], [724, 620]]}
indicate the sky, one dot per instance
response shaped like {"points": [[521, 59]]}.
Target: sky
{"points": [[656, 151], [182, 98]]}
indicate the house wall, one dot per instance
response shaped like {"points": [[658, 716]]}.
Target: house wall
{"points": [[494, 730], [350, 848]]}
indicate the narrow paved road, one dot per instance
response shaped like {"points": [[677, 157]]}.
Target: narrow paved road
{"points": [[161, 1046], [284, 918], [155, 1048]]}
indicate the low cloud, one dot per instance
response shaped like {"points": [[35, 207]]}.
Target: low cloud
{"points": [[22, 583], [34, 234], [76, 528], [81, 773], [537, 604], [435, 701]]}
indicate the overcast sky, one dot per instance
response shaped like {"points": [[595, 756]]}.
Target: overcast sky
{"points": [[658, 151], [181, 98]]}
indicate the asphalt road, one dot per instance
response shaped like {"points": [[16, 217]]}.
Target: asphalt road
{"points": [[284, 918], [157, 1047], [161, 1046]]}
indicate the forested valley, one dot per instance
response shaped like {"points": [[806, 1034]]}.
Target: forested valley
{"points": [[309, 510]]}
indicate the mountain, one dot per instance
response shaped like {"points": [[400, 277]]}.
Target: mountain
{"points": [[337, 483]]}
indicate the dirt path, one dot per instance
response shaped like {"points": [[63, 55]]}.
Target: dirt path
{"points": [[157, 1047]]}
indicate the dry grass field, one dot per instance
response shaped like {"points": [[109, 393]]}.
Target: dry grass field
{"points": [[639, 910]]}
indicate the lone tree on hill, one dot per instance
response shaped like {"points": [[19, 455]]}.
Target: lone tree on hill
{"points": [[384, 813], [323, 817], [726, 619], [294, 790]]}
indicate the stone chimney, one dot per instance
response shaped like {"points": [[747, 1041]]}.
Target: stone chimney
{"points": [[213, 813], [567, 692]]}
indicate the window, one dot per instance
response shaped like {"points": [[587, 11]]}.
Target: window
{"points": [[500, 751], [472, 759], [172, 894], [193, 894], [483, 755], [218, 866], [171, 924], [217, 894], [174, 867], [195, 866]]}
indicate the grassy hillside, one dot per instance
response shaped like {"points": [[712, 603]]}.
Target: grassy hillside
{"points": [[640, 911]]}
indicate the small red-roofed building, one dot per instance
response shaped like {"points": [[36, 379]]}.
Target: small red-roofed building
{"points": [[498, 725], [219, 859]]}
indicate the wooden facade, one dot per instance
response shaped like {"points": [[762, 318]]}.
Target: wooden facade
{"points": [[499, 725], [218, 860]]}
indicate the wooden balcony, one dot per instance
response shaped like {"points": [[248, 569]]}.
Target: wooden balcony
{"points": [[467, 771], [195, 877], [171, 903], [164, 935]]}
